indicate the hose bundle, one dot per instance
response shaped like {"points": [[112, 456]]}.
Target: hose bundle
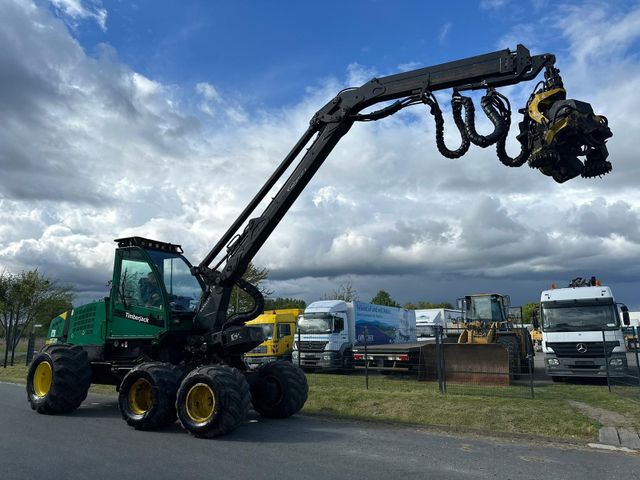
{"points": [[497, 108]]}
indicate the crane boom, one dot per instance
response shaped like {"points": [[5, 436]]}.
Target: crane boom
{"points": [[555, 153]]}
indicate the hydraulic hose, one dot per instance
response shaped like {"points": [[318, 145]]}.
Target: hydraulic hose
{"points": [[456, 108], [258, 305], [490, 105]]}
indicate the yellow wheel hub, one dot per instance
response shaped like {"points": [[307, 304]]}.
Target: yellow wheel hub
{"points": [[140, 396], [42, 379], [201, 402]]}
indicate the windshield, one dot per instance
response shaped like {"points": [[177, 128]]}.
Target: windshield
{"points": [[559, 318], [485, 308], [183, 289], [426, 331], [318, 323], [267, 331]]}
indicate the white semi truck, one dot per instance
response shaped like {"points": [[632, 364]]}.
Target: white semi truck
{"points": [[329, 330], [582, 331]]}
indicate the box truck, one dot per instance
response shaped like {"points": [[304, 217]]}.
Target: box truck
{"points": [[428, 319], [330, 330]]}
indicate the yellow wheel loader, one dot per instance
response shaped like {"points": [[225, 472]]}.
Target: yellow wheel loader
{"points": [[492, 342]]}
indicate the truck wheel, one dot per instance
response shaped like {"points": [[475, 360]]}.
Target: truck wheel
{"points": [[213, 400], [511, 344], [58, 379], [147, 396], [280, 391]]}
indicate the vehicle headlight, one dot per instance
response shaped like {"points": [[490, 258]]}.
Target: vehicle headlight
{"points": [[327, 356], [553, 361], [615, 362]]}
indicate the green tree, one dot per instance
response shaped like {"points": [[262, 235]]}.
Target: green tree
{"points": [[50, 310], [281, 303], [527, 311], [23, 297], [383, 298], [240, 301]]}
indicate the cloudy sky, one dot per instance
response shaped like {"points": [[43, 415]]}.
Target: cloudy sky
{"points": [[162, 119]]}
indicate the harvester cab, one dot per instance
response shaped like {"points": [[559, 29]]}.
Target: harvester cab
{"points": [[153, 286]]}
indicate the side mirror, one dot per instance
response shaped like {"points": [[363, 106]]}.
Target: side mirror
{"points": [[534, 320], [625, 315]]}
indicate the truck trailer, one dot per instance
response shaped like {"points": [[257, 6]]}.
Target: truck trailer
{"points": [[330, 332]]}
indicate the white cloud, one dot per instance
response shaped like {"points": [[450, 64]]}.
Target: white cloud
{"points": [[92, 150], [493, 4], [74, 10], [444, 31]]}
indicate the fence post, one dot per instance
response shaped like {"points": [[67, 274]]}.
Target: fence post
{"points": [[366, 361], [530, 358], [437, 359], [299, 349], [637, 345], [606, 360], [30, 348]]}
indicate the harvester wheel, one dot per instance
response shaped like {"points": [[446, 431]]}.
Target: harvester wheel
{"points": [[147, 396], [58, 379], [511, 344], [213, 400], [280, 391]]}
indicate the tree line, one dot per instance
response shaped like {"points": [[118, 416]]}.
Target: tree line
{"points": [[28, 299]]}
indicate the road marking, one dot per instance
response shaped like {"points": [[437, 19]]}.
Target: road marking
{"points": [[612, 447], [526, 458]]}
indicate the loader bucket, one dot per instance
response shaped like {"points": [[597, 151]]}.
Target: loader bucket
{"points": [[468, 363]]}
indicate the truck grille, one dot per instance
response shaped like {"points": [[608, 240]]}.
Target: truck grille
{"points": [[259, 349], [310, 346], [593, 349]]}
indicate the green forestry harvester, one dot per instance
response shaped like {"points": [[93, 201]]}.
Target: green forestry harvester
{"points": [[164, 336]]}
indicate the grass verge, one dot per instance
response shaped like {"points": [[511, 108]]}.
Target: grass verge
{"points": [[419, 403], [404, 400]]}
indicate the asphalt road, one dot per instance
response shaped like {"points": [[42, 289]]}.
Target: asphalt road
{"points": [[94, 443]]}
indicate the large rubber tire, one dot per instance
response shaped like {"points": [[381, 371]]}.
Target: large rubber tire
{"points": [[58, 379], [213, 400], [280, 391], [510, 342], [147, 396]]}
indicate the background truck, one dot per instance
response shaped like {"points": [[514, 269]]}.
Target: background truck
{"points": [[428, 319], [631, 331], [278, 328], [574, 321], [330, 331]]}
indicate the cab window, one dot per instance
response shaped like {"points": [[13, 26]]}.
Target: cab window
{"points": [[284, 329], [183, 289], [139, 285]]}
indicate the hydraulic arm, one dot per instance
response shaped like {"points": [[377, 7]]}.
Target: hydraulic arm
{"points": [[553, 133]]}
